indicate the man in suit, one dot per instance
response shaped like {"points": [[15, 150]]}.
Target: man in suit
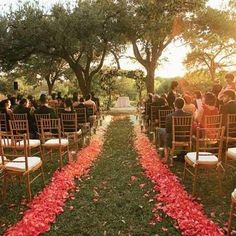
{"points": [[172, 94], [229, 105], [44, 108], [178, 104]]}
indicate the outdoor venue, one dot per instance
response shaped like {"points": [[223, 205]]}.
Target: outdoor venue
{"points": [[118, 117]]}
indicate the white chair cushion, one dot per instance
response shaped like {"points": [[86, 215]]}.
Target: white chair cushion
{"points": [[231, 153], [203, 158], [56, 142], [20, 166], [32, 143]]}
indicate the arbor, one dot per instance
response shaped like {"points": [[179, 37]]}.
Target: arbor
{"points": [[211, 46], [82, 36], [152, 25]]}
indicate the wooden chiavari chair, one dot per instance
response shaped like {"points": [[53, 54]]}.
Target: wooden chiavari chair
{"points": [[52, 139], [22, 127], [230, 141], [207, 156], [22, 116], [3, 122], [154, 117], [83, 120], [181, 134], [162, 117], [70, 127], [19, 165], [38, 118], [213, 121]]}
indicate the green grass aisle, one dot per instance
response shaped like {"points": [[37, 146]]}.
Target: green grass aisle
{"points": [[116, 198]]}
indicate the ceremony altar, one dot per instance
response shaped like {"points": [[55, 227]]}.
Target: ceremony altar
{"points": [[122, 102]]}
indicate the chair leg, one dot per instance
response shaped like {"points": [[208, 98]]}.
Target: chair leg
{"points": [[4, 190], [184, 173], [171, 155], [230, 219], [27, 179], [42, 174], [60, 155], [194, 180]]}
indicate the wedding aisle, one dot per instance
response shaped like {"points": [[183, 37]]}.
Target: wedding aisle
{"points": [[122, 188], [115, 198]]}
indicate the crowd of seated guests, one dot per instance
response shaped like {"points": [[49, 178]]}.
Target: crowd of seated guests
{"points": [[45, 105], [220, 100]]}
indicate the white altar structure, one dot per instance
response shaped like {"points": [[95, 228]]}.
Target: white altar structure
{"points": [[122, 102]]}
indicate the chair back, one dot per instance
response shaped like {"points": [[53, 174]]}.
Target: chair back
{"points": [[182, 129], [14, 142], [213, 121], [210, 143], [162, 117], [38, 117], [154, 113], [3, 122], [19, 127], [58, 111], [81, 115], [147, 108], [69, 122], [50, 128], [230, 130], [22, 116]]}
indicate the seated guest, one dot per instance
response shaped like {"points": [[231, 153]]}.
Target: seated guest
{"points": [[155, 100], [13, 102], [75, 99], [198, 99], [22, 108], [230, 84], [89, 103], [178, 104], [96, 100], [5, 108], [53, 102], [32, 103], [208, 109], [68, 106], [188, 106], [229, 105], [44, 108], [172, 94]]}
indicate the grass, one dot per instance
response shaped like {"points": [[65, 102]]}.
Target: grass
{"points": [[216, 206], [116, 198], [12, 208]]}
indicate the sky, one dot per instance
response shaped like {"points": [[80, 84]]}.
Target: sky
{"points": [[172, 57]]}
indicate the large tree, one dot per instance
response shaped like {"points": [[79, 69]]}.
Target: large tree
{"points": [[210, 42], [82, 36], [152, 26]]}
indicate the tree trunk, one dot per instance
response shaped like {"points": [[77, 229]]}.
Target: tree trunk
{"points": [[213, 71], [150, 79], [84, 82], [50, 87]]}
